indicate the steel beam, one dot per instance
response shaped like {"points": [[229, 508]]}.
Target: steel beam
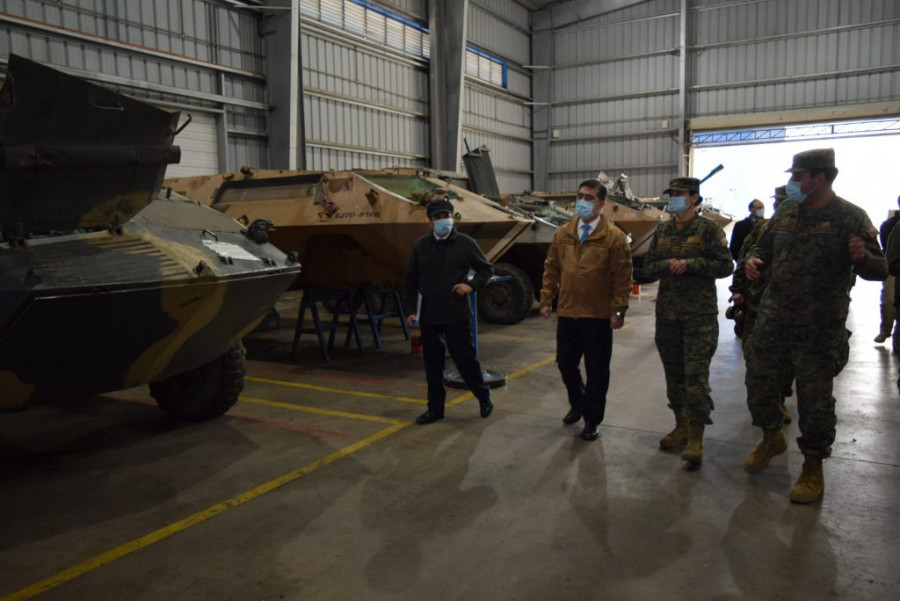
{"points": [[447, 26]]}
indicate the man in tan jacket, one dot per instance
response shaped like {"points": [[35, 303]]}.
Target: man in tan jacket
{"points": [[588, 267]]}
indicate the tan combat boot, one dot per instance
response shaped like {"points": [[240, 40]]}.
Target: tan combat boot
{"points": [[770, 446], [811, 483], [677, 437], [694, 452], [786, 414]]}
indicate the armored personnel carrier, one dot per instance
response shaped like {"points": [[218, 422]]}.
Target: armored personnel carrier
{"points": [[105, 282], [352, 229]]}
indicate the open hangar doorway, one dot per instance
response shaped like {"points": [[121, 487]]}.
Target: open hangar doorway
{"points": [[867, 154]]}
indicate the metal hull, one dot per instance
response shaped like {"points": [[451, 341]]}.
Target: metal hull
{"points": [[91, 313], [355, 228]]}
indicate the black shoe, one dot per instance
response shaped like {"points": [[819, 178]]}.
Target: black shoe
{"points": [[486, 408], [428, 417], [572, 417], [591, 431]]}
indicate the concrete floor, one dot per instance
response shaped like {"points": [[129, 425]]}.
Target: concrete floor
{"points": [[317, 486]]}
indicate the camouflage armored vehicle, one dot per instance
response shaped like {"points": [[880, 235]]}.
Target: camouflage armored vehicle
{"points": [[105, 282], [352, 229]]}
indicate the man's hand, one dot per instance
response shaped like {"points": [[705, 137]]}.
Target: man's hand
{"points": [[616, 322], [412, 320], [677, 266], [857, 249], [546, 310], [752, 268], [737, 298], [462, 289]]}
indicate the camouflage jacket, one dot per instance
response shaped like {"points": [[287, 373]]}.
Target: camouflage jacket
{"points": [[808, 261], [702, 243], [751, 291]]}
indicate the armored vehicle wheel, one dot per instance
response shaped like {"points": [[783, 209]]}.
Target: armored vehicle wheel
{"points": [[507, 302], [205, 392]]}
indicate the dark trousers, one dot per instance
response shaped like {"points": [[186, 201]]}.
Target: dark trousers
{"points": [[456, 338], [591, 339]]}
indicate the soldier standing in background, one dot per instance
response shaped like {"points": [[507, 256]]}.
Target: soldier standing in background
{"points": [[687, 254], [746, 294], [812, 247], [888, 313]]}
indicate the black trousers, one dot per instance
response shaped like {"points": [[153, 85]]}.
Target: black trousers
{"points": [[456, 338], [591, 339]]}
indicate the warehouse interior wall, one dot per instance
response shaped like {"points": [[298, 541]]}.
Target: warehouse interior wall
{"points": [[585, 85], [200, 57], [612, 99]]}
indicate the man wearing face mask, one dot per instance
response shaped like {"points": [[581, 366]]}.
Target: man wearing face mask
{"points": [[438, 269], [743, 227], [588, 267], [688, 253], [811, 249]]}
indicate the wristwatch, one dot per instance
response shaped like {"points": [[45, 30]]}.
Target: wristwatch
{"points": [[620, 315]]}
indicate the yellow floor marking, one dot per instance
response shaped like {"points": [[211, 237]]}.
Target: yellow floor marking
{"points": [[307, 409], [192, 520], [163, 533], [371, 395]]}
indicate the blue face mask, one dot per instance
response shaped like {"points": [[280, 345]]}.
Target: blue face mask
{"points": [[442, 227], [584, 209], [677, 205], [795, 193]]}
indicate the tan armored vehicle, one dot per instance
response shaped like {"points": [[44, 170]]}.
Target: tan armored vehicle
{"points": [[351, 229]]}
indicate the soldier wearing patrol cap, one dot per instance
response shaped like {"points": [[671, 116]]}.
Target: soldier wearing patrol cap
{"points": [[811, 248], [746, 294], [687, 254]]}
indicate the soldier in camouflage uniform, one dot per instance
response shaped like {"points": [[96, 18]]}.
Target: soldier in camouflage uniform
{"points": [[687, 254], [746, 294], [811, 248]]}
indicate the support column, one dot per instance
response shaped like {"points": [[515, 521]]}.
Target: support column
{"points": [[284, 82], [447, 26], [541, 112], [683, 145]]}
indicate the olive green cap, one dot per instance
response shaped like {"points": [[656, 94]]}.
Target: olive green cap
{"points": [[819, 158], [691, 184], [780, 193]]}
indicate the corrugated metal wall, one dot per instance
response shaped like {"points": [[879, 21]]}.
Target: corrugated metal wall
{"points": [[777, 55], [414, 8], [615, 103], [365, 104], [615, 83], [194, 55], [493, 116]]}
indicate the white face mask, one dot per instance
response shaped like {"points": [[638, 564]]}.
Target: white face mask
{"points": [[760, 213]]}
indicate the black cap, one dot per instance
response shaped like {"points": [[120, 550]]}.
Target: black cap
{"points": [[441, 205]]}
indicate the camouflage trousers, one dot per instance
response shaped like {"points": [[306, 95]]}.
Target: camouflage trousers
{"points": [[814, 353], [686, 348]]}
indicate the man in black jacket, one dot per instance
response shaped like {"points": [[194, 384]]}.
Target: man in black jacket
{"points": [[888, 300], [438, 270], [745, 226]]}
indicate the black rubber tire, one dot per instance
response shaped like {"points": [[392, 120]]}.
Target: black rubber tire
{"points": [[205, 392], [506, 302]]}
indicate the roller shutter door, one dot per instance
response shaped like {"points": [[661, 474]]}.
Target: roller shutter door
{"points": [[199, 146]]}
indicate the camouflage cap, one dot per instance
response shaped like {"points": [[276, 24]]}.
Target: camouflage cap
{"points": [[691, 184], [818, 158], [441, 205], [780, 193]]}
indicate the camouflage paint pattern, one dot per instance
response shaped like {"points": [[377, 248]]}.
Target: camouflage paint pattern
{"points": [[687, 327], [686, 347], [803, 311]]}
